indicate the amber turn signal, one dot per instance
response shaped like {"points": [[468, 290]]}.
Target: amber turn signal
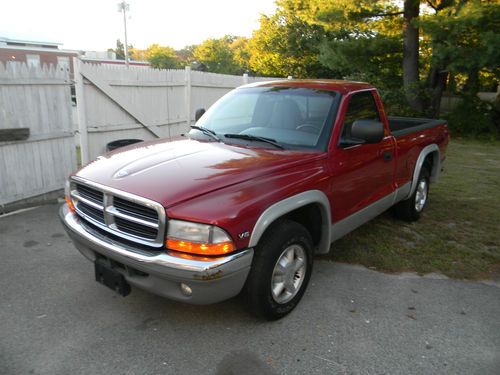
{"points": [[200, 248], [70, 204]]}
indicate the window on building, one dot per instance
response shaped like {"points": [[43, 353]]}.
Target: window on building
{"points": [[33, 60], [63, 62]]}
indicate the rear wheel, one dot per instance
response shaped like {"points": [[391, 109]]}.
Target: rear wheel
{"points": [[411, 209], [280, 271]]}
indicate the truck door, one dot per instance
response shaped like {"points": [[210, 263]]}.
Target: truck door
{"points": [[362, 174]]}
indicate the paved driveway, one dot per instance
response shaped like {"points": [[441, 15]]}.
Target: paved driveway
{"points": [[54, 319]]}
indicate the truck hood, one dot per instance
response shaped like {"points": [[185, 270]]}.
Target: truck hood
{"points": [[170, 172]]}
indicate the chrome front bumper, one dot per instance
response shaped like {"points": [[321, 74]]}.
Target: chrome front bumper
{"points": [[210, 281]]}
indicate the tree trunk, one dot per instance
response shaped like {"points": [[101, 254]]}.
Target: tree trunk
{"points": [[410, 55], [437, 84]]}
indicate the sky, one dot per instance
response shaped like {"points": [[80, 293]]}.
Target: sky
{"points": [[95, 25]]}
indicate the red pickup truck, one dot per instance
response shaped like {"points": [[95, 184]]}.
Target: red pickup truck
{"points": [[270, 175]]}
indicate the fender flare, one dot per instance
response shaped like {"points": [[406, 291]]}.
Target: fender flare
{"points": [[436, 167], [289, 204]]}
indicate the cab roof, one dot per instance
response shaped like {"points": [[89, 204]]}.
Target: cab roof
{"points": [[343, 87]]}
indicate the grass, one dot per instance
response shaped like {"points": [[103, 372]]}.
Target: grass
{"points": [[458, 233]]}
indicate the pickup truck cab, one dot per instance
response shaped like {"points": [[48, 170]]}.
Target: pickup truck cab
{"points": [[270, 175]]}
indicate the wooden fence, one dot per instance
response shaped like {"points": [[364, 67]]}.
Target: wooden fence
{"points": [[116, 102], [37, 100]]}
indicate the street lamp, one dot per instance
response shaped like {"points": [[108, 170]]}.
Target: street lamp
{"points": [[124, 7]]}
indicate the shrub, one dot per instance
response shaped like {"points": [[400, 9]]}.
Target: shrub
{"points": [[474, 117]]}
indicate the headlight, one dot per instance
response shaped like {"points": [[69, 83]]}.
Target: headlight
{"points": [[197, 238]]}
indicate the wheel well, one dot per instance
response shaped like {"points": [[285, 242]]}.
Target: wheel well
{"points": [[310, 217], [310, 208], [431, 162]]}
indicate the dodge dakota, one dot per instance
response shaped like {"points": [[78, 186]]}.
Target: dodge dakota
{"points": [[270, 175]]}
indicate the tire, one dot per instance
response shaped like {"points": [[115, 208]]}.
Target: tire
{"points": [[275, 284], [411, 209]]}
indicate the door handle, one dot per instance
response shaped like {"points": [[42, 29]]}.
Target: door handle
{"points": [[387, 155]]}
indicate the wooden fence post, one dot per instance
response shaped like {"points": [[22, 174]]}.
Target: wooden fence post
{"points": [[187, 99], [80, 110]]}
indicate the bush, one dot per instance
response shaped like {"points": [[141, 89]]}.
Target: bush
{"points": [[395, 103], [474, 117]]}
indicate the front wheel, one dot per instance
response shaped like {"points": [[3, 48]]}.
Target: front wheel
{"points": [[280, 271], [411, 209]]}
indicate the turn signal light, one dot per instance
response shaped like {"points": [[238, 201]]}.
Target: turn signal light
{"points": [[200, 248], [70, 204]]}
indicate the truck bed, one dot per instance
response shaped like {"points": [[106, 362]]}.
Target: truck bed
{"points": [[404, 125]]}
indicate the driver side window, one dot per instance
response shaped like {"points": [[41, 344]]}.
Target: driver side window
{"points": [[362, 106]]}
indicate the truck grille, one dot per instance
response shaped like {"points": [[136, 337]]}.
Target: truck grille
{"points": [[134, 209], [125, 215]]}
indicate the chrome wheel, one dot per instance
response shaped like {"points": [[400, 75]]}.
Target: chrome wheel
{"points": [[421, 195], [289, 273]]}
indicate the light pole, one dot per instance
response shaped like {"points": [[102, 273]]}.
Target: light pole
{"points": [[124, 7]]}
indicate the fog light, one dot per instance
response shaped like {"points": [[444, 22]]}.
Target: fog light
{"points": [[186, 290]]}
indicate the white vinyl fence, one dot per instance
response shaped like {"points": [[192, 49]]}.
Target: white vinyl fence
{"points": [[37, 99], [116, 102]]}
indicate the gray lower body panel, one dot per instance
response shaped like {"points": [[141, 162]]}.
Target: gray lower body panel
{"points": [[211, 281], [344, 226]]}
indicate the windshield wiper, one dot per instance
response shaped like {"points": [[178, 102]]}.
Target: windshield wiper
{"points": [[206, 131], [250, 137]]}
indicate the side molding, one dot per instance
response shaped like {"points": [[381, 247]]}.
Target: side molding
{"points": [[430, 149], [292, 203], [348, 224]]}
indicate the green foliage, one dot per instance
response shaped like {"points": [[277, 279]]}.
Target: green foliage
{"points": [[474, 117], [344, 15], [359, 40], [161, 57], [241, 53], [395, 103], [286, 45], [375, 58], [466, 39], [185, 55], [366, 43], [218, 56]]}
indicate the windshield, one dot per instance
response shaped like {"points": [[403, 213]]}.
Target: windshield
{"points": [[292, 116]]}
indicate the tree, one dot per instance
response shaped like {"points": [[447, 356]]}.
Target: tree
{"points": [[185, 55], [286, 45], [466, 43], [361, 24], [217, 55], [241, 53], [119, 50], [161, 57], [411, 12], [466, 40], [375, 59], [410, 49], [369, 36]]}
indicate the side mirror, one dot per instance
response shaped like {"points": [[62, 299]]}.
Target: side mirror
{"points": [[199, 112], [369, 131]]}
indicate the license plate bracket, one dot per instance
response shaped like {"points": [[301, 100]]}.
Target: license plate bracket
{"points": [[105, 274]]}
